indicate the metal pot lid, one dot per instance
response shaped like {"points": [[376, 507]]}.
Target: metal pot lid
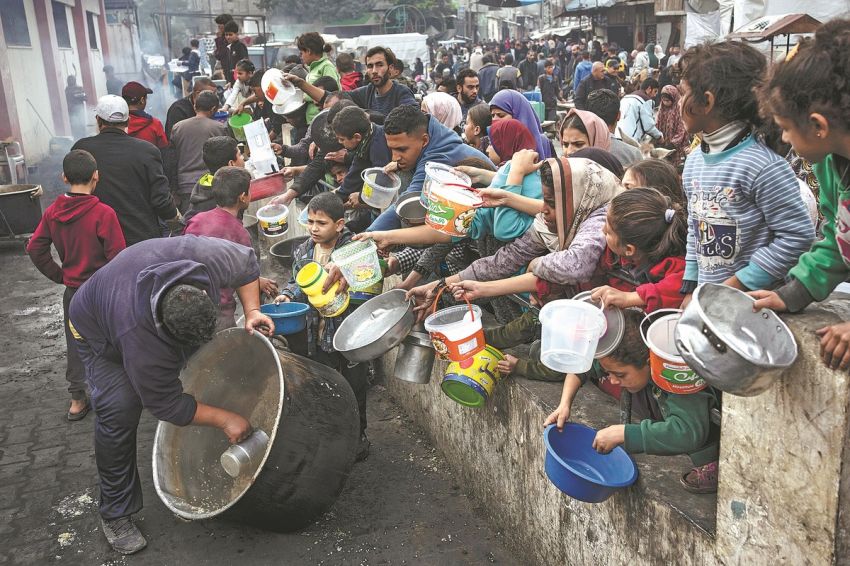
{"points": [[761, 338], [371, 321], [615, 326]]}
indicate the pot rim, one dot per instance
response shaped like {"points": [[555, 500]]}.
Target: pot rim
{"points": [[707, 321], [351, 351]]}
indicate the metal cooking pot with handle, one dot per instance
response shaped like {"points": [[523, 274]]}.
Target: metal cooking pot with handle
{"points": [[734, 349], [376, 327]]}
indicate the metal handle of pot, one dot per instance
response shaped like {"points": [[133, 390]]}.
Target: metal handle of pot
{"points": [[715, 342], [685, 347]]}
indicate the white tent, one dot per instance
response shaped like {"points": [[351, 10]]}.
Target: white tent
{"points": [[406, 46]]}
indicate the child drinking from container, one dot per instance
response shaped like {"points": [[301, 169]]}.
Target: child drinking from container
{"points": [[747, 221], [816, 122], [671, 424], [326, 224], [230, 191], [86, 235]]}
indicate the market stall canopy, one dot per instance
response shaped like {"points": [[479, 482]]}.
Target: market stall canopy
{"points": [[406, 46], [764, 29], [569, 25], [586, 5]]}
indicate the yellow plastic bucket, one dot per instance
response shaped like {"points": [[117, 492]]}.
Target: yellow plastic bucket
{"points": [[472, 381]]}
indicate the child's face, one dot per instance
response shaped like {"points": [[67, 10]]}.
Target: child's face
{"points": [[805, 141], [238, 161], [629, 377], [339, 172], [666, 101], [350, 143], [632, 179], [613, 240], [231, 36], [470, 130], [243, 76], [692, 118], [323, 230]]}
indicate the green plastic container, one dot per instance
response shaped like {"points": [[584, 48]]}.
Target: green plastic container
{"points": [[539, 109], [237, 124]]}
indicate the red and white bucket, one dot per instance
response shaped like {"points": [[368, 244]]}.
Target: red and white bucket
{"points": [[456, 332]]}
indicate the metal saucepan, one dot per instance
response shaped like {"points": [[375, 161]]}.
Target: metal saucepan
{"points": [[376, 327], [734, 349], [415, 359]]}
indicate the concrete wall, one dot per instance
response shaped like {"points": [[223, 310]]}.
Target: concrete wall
{"points": [[783, 490]]}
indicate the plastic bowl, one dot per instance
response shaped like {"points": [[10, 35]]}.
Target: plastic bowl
{"points": [[288, 318], [379, 188], [580, 471]]}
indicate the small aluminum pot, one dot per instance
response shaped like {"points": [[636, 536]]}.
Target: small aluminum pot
{"points": [[415, 359], [376, 327], [733, 348]]}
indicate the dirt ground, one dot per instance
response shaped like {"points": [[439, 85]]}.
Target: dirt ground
{"points": [[401, 506]]}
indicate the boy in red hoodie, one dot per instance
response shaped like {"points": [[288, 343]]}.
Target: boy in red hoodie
{"points": [[142, 125], [86, 235], [349, 78]]}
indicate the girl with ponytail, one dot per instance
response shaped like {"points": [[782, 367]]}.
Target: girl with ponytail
{"points": [[644, 261]]}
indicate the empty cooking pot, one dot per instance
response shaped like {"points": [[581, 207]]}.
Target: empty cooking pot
{"points": [[308, 412], [376, 327], [415, 359], [734, 349]]}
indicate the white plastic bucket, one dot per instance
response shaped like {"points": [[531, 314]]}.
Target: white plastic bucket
{"points": [[456, 332], [571, 332], [359, 264], [379, 188], [437, 174], [273, 219]]}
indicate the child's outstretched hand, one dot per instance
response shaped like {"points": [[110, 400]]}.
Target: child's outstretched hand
{"points": [[559, 416], [609, 438], [466, 290], [767, 300], [835, 345], [508, 365], [281, 299], [612, 297]]}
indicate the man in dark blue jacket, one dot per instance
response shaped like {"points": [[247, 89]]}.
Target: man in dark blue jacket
{"points": [[137, 321]]}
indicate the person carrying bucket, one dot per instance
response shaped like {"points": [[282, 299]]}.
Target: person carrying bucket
{"points": [[326, 224], [671, 424]]}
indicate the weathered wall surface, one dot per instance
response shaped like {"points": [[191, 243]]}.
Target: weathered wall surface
{"points": [[782, 484]]}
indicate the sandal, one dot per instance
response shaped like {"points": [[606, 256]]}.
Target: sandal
{"points": [[82, 414]]}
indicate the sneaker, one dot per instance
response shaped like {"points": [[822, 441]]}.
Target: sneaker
{"points": [[702, 479], [363, 448], [123, 536]]}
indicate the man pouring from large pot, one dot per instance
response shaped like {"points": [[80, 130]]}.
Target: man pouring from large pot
{"points": [[137, 321]]}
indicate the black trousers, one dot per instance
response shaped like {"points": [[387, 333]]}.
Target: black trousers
{"points": [[75, 372], [117, 411]]}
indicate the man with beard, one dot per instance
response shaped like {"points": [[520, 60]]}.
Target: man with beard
{"points": [[467, 90], [379, 96]]}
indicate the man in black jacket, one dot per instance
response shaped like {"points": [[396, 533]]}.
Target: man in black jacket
{"points": [[596, 80], [528, 70], [131, 182], [184, 108]]}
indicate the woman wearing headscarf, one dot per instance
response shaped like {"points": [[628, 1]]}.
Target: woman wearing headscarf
{"points": [[563, 245], [603, 158], [511, 104], [669, 121], [653, 55], [581, 129], [445, 108]]}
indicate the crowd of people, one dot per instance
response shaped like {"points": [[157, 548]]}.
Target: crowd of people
{"points": [[583, 213]]}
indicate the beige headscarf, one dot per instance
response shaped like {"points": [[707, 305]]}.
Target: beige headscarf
{"points": [[581, 186], [445, 108], [597, 131]]}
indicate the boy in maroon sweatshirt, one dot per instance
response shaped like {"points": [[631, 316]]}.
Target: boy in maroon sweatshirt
{"points": [[86, 235]]}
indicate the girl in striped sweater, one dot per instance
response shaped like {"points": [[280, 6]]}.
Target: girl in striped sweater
{"points": [[748, 224]]}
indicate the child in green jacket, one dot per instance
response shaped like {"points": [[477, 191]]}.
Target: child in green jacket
{"points": [[672, 424], [816, 122]]}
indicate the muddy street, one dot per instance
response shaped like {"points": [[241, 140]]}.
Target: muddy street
{"points": [[400, 506]]}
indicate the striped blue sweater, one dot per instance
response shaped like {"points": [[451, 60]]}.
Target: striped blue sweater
{"points": [[746, 216]]}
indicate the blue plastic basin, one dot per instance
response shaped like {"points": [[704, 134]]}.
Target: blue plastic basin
{"points": [[288, 318], [580, 471]]}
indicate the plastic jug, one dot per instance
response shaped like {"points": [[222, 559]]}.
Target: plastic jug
{"points": [[571, 332], [311, 278]]}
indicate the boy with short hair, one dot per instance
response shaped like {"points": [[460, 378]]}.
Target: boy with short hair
{"points": [[230, 191], [671, 424], [241, 90], [235, 50], [326, 224], [86, 235], [218, 152]]}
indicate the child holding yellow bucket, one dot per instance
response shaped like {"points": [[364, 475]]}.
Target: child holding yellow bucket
{"points": [[326, 225], [672, 424]]}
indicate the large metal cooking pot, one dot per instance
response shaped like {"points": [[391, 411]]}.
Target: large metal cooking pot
{"points": [[282, 251], [308, 411], [20, 209], [376, 327], [415, 359], [734, 349]]}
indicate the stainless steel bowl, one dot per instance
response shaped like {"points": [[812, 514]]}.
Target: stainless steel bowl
{"points": [[376, 327], [410, 209], [734, 349]]}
